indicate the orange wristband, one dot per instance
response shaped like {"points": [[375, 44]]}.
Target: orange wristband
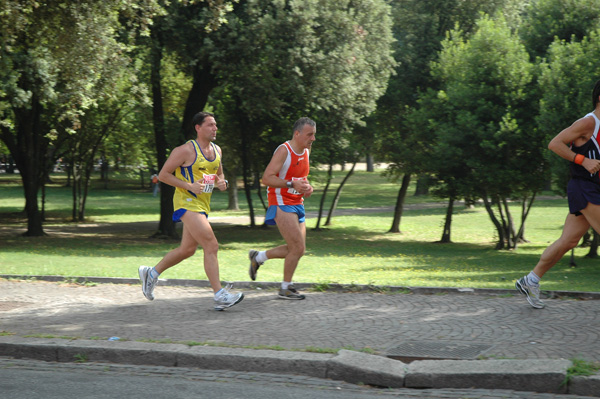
{"points": [[579, 159]]}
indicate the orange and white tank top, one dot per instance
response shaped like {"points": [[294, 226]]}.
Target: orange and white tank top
{"points": [[295, 167], [201, 169]]}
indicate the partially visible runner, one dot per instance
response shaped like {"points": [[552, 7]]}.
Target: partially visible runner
{"points": [[579, 144], [287, 186], [194, 169]]}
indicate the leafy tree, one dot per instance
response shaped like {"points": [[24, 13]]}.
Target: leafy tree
{"points": [[115, 102], [485, 80], [51, 57], [568, 20], [419, 29], [327, 59], [444, 162]]}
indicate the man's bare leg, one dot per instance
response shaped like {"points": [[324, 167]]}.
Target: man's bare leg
{"points": [[202, 233], [294, 234], [575, 227], [149, 276]]}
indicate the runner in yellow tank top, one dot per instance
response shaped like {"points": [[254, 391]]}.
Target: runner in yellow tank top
{"points": [[194, 169], [203, 170]]}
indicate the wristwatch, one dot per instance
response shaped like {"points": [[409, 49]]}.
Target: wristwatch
{"points": [[289, 184], [226, 184]]}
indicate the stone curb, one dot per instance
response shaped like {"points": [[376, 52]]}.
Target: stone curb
{"points": [[305, 286], [585, 386], [544, 376], [528, 375]]}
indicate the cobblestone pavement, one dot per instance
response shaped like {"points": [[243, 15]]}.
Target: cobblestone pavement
{"points": [[513, 329], [286, 381]]}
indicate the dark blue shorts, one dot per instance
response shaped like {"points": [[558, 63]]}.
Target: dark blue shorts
{"points": [[581, 192]]}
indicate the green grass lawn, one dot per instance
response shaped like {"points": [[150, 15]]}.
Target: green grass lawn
{"points": [[115, 240]]}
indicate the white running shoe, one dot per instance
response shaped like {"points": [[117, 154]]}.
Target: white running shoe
{"points": [[148, 283], [226, 299], [531, 291]]}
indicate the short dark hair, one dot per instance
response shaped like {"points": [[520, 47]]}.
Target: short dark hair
{"points": [[303, 121], [198, 119], [596, 94]]}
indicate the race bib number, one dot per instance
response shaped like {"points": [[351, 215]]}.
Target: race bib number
{"points": [[209, 183], [293, 190]]}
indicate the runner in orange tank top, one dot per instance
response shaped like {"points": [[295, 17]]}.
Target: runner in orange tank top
{"points": [[295, 167], [287, 186]]}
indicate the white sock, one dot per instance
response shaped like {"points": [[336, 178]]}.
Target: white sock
{"points": [[153, 273], [262, 257], [533, 278], [218, 292], [285, 285]]}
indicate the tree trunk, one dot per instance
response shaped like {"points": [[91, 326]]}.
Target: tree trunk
{"points": [[69, 171], [587, 238], [204, 82], [321, 204], [370, 163], [246, 168], [448, 222], [166, 226], [43, 202], [34, 216], [80, 191], [89, 166], [593, 253], [104, 170], [525, 209], [572, 262], [509, 226], [28, 161], [259, 190], [422, 186], [232, 192], [497, 224], [338, 194], [248, 192], [400, 204], [74, 191]]}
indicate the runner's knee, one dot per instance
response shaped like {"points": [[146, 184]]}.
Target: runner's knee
{"points": [[211, 246], [568, 243], [297, 249], [186, 252]]}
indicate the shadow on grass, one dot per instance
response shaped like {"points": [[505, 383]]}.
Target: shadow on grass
{"points": [[389, 257]]}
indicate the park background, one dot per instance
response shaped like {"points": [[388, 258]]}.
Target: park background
{"points": [[455, 100]]}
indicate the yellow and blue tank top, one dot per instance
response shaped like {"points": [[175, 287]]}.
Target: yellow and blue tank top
{"points": [[185, 199]]}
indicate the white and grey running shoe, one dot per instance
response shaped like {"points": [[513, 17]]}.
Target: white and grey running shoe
{"points": [[254, 265], [148, 283], [531, 291], [290, 293], [226, 299]]}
